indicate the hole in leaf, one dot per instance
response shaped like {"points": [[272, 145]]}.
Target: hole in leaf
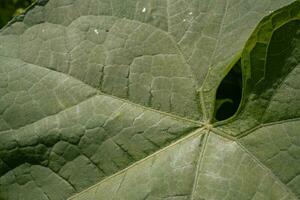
{"points": [[11, 8], [229, 94]]}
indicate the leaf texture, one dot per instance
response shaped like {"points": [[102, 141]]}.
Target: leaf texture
{"points": [[114, 100]]}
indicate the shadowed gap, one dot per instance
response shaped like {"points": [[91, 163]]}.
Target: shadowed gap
{"points": [[229, 94]]}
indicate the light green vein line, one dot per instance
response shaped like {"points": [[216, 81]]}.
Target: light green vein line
{"points": [[193, 134], [199, 163]]}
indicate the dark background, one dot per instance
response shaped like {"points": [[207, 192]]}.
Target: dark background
{"points": [[11, 8]]}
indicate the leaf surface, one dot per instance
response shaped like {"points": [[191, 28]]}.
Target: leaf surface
{"points": [[104, 99]]}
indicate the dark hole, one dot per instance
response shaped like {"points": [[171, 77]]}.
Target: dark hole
{"points": [[11, 8], [106, 30], [229, 94]]}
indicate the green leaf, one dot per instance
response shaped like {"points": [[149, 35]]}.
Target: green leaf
{"points": [[103, 99]]}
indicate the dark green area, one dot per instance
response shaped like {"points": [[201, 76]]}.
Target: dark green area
{"points": [[11, 8], [229, 94]]}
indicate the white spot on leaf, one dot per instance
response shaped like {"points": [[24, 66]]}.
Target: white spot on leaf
{"points": [[144, 10], [96, 31], [190, 13]]}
